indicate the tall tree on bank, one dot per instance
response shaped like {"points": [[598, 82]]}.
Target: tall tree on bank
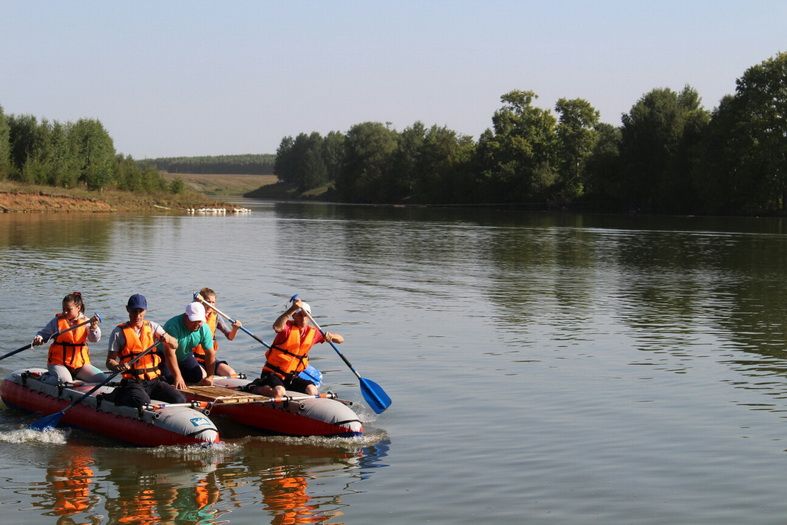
{"points": [[300, 162], [333, 154], [368, 151], [518, 158], [96, 153], [401, 179], [25, 140], [603, 173], [5, 146], [445, 171], [576, 138], [283, 167], [745, 162], [54, 160], [654, 147]]}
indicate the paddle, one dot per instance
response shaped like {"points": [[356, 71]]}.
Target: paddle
{"points": [[52, 420], [311, 373], [30, 345], [373, 393]]}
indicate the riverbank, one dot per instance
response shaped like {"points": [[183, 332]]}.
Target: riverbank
{"points": [[24, 198]]}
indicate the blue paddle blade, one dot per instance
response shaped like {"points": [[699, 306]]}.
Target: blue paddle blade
{"points": [[311, 374], [46, 422], [374, 395]]}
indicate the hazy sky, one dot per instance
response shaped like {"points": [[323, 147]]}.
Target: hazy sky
{"points": [[171, 78]]}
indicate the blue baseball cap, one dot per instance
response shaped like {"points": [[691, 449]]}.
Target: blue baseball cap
{"points": [[137, 301]]}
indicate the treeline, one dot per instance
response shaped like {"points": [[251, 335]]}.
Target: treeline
{"points": [[71, 154], [669, 155], [238, 164]]}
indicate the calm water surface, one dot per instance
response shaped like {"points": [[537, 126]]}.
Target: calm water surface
{"points": [[543, 368]]}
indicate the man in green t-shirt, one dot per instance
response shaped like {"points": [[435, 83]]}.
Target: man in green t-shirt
{"points": [[190, 330]]}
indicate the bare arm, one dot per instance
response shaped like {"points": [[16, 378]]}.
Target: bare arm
{"points": [[170, 345], [113, 353], [278, 324]]}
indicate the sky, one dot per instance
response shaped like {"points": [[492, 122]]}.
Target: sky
{"points": [[184, 78]]}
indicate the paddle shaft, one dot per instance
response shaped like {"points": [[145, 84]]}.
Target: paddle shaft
{"points": [[199, 297], [108, 379], [331, 343], [30, 345]]}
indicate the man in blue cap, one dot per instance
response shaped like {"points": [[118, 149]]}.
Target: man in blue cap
{"points": [[141, 375]]}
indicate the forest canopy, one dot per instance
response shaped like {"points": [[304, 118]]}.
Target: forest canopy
{"points": [[669, 155]]}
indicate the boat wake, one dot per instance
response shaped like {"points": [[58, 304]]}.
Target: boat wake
{"points": [[27, 435]]}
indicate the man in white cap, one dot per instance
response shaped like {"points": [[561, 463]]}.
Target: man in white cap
{"points": [[190, 330], [288, 355]]}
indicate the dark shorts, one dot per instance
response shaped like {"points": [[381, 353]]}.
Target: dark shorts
{"points": [[292, 382], [132, 393], [190, 369], [202, 363]]}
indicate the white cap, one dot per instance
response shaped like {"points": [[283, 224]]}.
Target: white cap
{"points": [[195, 312], [306, 307]]}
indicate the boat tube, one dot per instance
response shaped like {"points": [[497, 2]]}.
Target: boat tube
{"points": [[153, 425], [296, 415]]}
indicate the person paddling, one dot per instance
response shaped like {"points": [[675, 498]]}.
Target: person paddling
{"points": [[68, 357], [215, 323], [142, 380], [288, 355], [189, 330]]}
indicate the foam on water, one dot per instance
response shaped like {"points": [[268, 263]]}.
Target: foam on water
{"points": [[27, 435]]}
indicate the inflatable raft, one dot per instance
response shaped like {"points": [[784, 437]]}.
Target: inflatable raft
{"points": [[296, 415], [152, 425]]}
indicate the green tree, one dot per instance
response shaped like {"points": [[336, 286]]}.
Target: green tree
{"points": [[128, 174], [576, 138], [95, 153], [518, 158], [369, 148], [284, 165], [603, 179], [177, 186], [745, 161], [654, 148], [310, 169], [5, 146], [400, 180], [25, 138], [444, 170], [333, 154], [61, 159]]}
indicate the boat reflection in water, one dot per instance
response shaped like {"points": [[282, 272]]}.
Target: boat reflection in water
{"points": [[264, 479]]}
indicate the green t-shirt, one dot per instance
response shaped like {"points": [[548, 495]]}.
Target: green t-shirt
{"points": [[188, 340]]}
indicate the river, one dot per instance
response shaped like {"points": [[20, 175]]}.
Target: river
{"points": [[544, 368]]}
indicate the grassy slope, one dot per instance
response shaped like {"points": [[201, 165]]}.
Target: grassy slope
{"points": [[222, 184], [254, 186]]}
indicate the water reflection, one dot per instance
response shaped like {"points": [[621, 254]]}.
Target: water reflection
{"points": [[70, 479], [84, 484]]}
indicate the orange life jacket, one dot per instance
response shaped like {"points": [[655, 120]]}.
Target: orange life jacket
{"points": [[211, 319], [69, 349], [146, 368], [290, 357]]}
